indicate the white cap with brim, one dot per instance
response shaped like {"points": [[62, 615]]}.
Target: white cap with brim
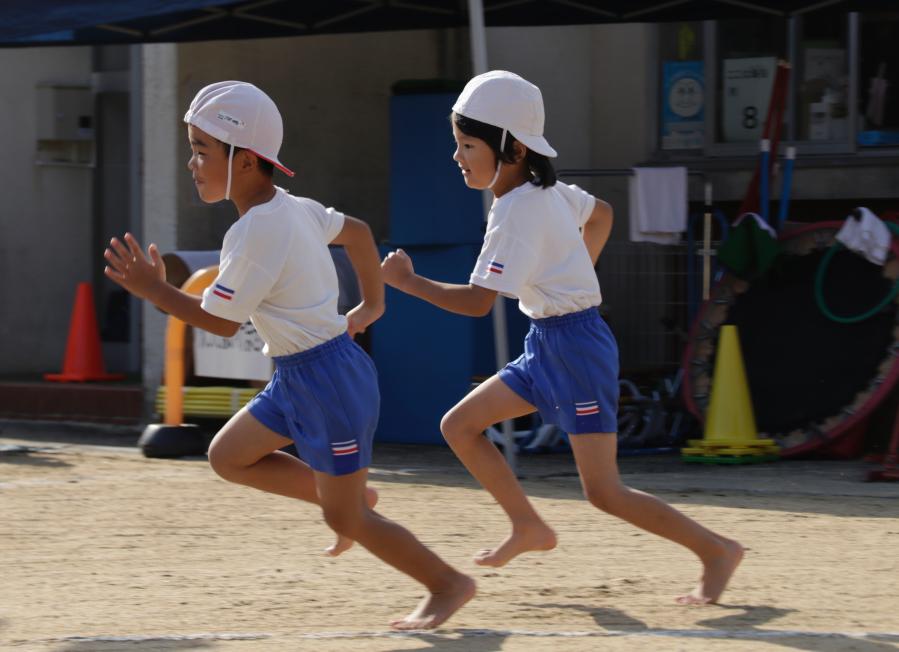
{"points": [[240, 115], [505, 100]]}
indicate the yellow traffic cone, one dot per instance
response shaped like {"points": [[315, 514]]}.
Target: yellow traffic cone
{"points": [[730, 433]]}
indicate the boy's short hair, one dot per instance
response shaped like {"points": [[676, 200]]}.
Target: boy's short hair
{"points": [[266, 167]]}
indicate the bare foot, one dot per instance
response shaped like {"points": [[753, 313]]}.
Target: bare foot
{"points": [[436, 608], [715, 574], [525, 538], [345, 543]]}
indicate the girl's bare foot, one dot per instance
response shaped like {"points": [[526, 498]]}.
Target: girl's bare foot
{"points": [[715, 574], [536, 535], [437, 607], [345, 543]]}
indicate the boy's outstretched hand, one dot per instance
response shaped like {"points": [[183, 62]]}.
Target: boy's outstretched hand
{"points": [[397, 268], [361, 317], [131, 268]]}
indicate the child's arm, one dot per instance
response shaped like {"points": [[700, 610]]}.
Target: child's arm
{"points": [[356, 238], [145, 278], [471, 300], [597, 229]]}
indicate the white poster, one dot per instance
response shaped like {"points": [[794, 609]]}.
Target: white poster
{"points": [[238, 357], [747, 92], [828, 64]]}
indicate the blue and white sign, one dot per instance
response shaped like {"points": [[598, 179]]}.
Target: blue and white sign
{"points": [[683, 105]]}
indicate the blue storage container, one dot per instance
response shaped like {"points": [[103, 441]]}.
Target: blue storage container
{"points": [[429, 201], [426, 356]]}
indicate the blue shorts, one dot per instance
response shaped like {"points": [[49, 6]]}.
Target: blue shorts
{"points": [[326, 399], [569, 372]]}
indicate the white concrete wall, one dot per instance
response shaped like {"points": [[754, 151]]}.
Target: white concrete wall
{"points": [[45, 217], [162, 114]]}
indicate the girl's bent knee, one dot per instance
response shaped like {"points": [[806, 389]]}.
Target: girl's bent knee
{"points": [[456, 431], [343, 521], [606, 499], [447, 424]]}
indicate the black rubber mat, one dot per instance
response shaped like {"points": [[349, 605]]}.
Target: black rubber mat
{"points": [[801, 366]]}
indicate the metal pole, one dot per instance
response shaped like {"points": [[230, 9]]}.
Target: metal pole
{"points": [[765, 177], [478, 36], [135, 190], [786, 187], [707, 243]]}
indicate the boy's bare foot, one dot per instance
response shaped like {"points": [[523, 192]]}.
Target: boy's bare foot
{"points": [[715, 574], [524, 538], [436, 608], [345, 543]]}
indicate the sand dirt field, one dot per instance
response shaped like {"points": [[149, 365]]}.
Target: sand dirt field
{"points": [[103, 550]]}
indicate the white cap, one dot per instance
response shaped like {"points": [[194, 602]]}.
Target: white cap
{"points": [[239, 114], [505, 100]]}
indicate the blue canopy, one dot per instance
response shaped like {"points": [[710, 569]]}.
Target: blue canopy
{"points": [[70, 22]]}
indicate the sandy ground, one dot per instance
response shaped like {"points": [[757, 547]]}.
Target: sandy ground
{"points": [[102, 550]]}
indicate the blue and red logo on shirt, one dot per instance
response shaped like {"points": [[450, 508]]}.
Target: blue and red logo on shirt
{"points": [[495, 267], [221, 291]]}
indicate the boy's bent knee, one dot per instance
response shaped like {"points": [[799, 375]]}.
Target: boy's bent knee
{"points": [[222, 463]]}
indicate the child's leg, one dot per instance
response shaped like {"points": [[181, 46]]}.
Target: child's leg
{"points": [[595, 455], [491, 402], [246, 452], [346, 513]]}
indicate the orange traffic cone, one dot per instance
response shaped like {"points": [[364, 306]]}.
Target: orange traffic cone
{"points": [[84, 359]]}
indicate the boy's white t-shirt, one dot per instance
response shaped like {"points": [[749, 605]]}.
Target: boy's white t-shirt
{"points": [[534, 250], [275, 269]]}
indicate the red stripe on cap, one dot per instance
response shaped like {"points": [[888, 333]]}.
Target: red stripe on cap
{"points": [[283, 169]]}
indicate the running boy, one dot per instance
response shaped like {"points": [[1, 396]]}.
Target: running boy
{"points": [[542, 242], [276, 270]]}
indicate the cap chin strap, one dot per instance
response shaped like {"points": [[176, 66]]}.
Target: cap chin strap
{"points": [[228, 186], [499, 163]]}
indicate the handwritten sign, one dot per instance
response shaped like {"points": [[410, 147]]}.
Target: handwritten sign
{"points": [[747, 91], [239, 357]]}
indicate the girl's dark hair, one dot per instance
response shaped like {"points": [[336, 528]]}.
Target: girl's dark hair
{"points": [[542, 172], [266, 167]]}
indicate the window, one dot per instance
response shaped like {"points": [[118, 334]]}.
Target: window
{"points": [[878, 88], [746, 56], [821, 80], [716, 80]]}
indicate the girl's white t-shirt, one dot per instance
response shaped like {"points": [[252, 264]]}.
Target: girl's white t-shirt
{"points": [[534, 250], [275, 269]]}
